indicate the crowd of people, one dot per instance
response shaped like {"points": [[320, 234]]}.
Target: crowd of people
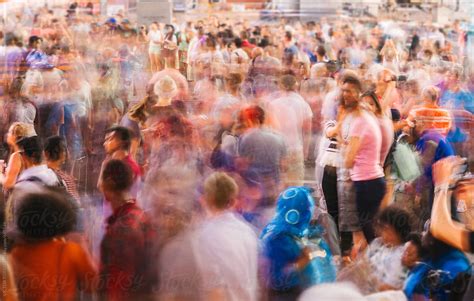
{"points": [[227, 160]]}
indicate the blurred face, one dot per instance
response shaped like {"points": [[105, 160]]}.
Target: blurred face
{"points": [[388, 235], [369, 103], [111, 143], [451, 77], [11, 139], [410, 255], [350, 95]]}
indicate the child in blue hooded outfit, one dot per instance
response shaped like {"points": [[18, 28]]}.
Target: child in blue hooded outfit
{"points": [[294, 256]]}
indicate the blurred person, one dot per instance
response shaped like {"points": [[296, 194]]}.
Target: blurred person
{"points": [[129, 235], [238, 58], [385, 89], [333, 179], [169, 50], [15, 166], [412, 259], [176, 158], [387, 130], [290, 261], [346, 291], [291, 116], [9, 290], [19, 106], [34, 175], [224, 109], [432, 146], [447, 267], [223, 237], [385, 252], [429, 115], [155, 39], [179, 79], [262, 154], [117, 147], [362, 157], [56, 155], [453, 96], [65, 267]]}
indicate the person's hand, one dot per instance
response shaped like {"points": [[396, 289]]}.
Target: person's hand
{"points": [[444, 169], [304, 259]]}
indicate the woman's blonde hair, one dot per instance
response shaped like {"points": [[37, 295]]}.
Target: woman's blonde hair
{"points": [[138, 112], [20, 130]]}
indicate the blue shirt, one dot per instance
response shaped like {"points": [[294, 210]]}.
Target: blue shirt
{"points": [[461, 100]]}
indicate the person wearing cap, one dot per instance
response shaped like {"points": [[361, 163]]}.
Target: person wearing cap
{"points": [[180, 80], [165, 90]]}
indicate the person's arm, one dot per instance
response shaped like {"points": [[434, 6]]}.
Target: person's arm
{"points": [[307, 136], [12, 172], [442, 226], [85, 267], [351, 151]]}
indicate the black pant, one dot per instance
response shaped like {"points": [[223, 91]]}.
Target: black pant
{"points": [[329, 186], [369, 195]]}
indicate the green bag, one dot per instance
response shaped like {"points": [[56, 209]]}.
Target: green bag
{"points": [[406, 161]]}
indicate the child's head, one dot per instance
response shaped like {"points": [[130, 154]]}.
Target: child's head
{"points": [[414, 251]]}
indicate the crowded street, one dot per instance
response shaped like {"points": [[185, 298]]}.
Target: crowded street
{"points": [[236, 150]]}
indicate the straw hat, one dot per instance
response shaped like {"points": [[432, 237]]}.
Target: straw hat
{"points": [[165, 88]]}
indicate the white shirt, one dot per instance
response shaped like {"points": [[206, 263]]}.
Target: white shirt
{"points": [[289, 113], [225, 248], [155, 37]]}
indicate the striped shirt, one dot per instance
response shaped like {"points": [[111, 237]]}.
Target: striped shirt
{"points": [[431, 117]]}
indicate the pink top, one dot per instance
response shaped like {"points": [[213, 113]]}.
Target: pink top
{"points": [[367, 160]]}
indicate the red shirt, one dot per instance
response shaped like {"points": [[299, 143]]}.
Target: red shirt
{"points": [[127, 254], [134, 166]]}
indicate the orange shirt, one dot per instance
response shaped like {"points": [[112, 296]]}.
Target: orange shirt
{"points": [[431, 117], [51, 270]]}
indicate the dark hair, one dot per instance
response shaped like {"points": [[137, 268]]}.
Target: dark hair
{"points": [[54, 147], [123, 134], [288, 35], [253, 113], [14, 89], [373, 96], [238, 42], [396, 116], [117, 176], [31, 147], [288, 82], [234, 79], [353, 81], [415, 239], [321, 50], [34, 39], [211, 41], [397, 218], [45, 214]]}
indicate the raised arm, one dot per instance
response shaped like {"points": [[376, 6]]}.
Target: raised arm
{"points": [[442, 225]]}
